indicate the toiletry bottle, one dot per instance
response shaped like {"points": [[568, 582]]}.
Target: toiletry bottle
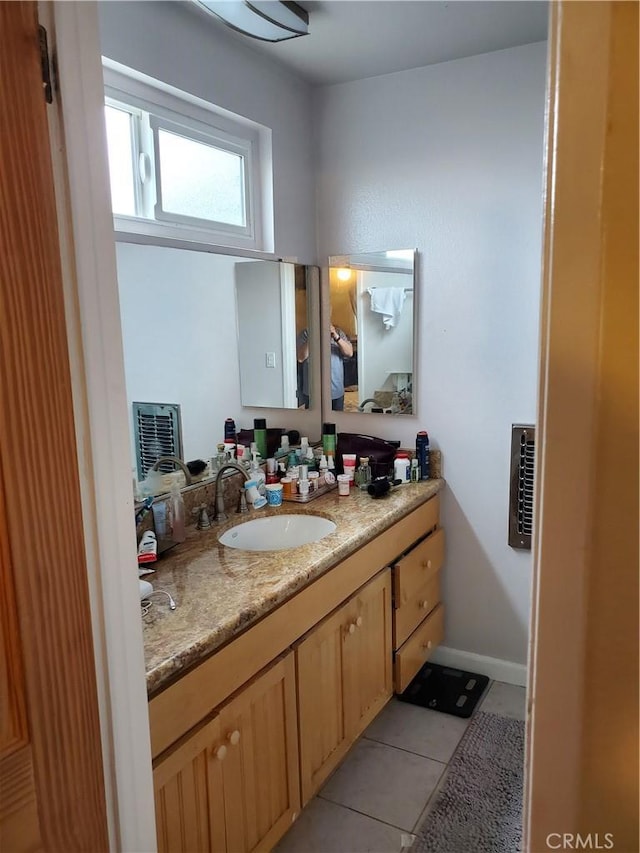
{"points": [[272, 474], [322, 468], [415, 471], [254, 497], [260, 436], [401, 466], [329, 439], [257, 474], [284, 447], [178, 532], [230, 431], [310, 461], [221, 455], [148, 548], [422, 453], [363, 474], [303, 451]]}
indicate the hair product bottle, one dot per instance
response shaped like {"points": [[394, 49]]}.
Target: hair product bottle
{"points": [[422, 453], [260, 436]]}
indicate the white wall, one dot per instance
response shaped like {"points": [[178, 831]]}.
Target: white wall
{"points": [[260, 330], [448, 159], [176, 350], [178, 46], [382, 351]]}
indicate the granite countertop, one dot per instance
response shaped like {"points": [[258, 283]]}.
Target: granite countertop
{"points": [[221, 591]]}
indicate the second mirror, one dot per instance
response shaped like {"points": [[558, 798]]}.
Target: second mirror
{"points": [[372, 328]]}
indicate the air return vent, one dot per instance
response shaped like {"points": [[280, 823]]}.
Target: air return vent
{"points": [[158, 432], [523, 449]]}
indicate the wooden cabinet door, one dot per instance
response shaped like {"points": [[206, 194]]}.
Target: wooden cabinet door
{"points": [[323, 735], [189, 794], [261, 770], [344, 679], [368, 679]]}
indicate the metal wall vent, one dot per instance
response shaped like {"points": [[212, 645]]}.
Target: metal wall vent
{"points": [[523, 450], [158, 432]]}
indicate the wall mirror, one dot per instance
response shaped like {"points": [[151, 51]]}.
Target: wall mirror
{"points": [[373, 319], [206, 337]]}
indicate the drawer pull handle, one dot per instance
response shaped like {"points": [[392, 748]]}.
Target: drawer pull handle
{"points": [[424, 605], [352, 628], [426, 564], [426, 646], [359, 622], [234, 738], [221, 752]]}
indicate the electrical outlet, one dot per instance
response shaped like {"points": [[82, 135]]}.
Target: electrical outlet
{"points": [[270, 359]]}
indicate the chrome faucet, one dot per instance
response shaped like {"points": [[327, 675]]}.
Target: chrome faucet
{"points": [[219, 497], [187, 474]]}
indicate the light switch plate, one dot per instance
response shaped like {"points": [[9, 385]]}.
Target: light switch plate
{"points": [[270, 359]]}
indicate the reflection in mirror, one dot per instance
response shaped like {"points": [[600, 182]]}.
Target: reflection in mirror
{"points": [[200, 331], [271, 304], [373, 308]]}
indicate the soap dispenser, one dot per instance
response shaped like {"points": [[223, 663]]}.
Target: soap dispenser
{"points": [[257, 474]]}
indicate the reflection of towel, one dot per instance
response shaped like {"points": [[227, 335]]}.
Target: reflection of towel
{"points": [[387, 301]]}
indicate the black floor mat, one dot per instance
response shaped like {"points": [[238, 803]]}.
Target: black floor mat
{"points": [[442, 688]]}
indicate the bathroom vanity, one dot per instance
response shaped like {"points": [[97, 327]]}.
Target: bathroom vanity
{"points": [[275, 662]]}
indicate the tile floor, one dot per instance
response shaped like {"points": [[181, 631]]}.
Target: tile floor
{"points": [[383, 790]]}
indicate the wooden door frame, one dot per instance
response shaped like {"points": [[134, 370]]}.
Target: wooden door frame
{"points": [[100, 410], [577, 125]]}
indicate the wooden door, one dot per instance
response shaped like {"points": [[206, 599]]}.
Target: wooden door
{"points": [[368, 681], [51, 775], [261, 771], [189, 794], [323, 733]]}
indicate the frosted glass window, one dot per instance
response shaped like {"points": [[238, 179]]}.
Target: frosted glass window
{"points": [[119, 144], [201, 181]]}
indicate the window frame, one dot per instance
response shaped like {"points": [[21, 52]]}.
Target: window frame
{"points": [[227, 143], [163, 106]]}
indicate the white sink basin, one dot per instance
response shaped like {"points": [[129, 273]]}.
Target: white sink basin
{"points": [[277, 532]]}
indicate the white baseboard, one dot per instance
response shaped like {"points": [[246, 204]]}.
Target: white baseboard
{"points": [[496, 669]]}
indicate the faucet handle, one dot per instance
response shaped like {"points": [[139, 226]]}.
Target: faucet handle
{"points": [[203, 522], [242, 502]]}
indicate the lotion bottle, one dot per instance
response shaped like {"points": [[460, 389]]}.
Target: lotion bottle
{"points": [[257, 475]]}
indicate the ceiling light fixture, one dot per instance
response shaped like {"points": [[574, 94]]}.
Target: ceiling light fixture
{"points": [[267, 20]]}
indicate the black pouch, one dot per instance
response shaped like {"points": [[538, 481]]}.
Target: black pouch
{"points": [[381, 452]]}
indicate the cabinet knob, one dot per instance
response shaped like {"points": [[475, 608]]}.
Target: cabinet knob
{"points": [[221, 752], [426, 564], [426, 646], [352, 628], [359, 622], [424, 605], [234, 738]]}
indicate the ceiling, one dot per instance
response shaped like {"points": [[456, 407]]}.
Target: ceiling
{"points": [[354, 39]]}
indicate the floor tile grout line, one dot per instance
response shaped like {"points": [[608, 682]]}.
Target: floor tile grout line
{"points": [[364, 814], [402, 749], [436, 790]]}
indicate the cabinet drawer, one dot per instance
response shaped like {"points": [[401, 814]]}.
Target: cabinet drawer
{"points": [[417, 567], [410, 613], [418, 648]]}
